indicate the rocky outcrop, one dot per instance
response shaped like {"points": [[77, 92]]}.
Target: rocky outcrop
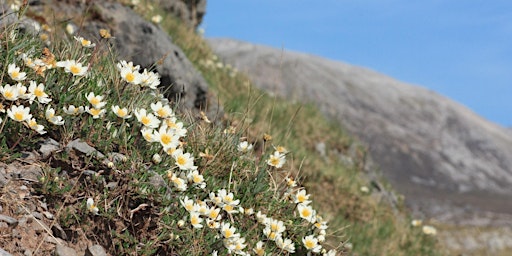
{"points": [[140, 41], [448, 162], [190, 11]]}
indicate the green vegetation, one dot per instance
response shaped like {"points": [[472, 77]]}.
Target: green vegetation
{"points": [[159, 185]]}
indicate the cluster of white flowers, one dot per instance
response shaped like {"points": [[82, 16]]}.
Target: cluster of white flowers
{"points": [[131, 74]]}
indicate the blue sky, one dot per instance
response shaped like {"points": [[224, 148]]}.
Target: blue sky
{"points": [[459, 48]]}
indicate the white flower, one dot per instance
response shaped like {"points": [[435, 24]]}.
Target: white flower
{"points": [[429, 230], [228, 231], [156, 19], [14, 72], [9, 92], [95, 100], [244, 147], [184, 161], [277, 160], [72, 110], [306, 212], [19, 113], [71, 66], [195, 220], [121, 112], [276, 225], [330, 253], [365, 189], [22, 92], [302, 198], [130, 75], [150, 79], [84, 42], [311, 243], [123, 64], [148, 134], [258, 249], [38, 91], [91, 206], [179, 183], [95, 112], [196, 178], [188, 204], [416, 223], [166, 138], [52, 118], [148, 120], [32, 123], [172, 123], [160, 110], [285, 244], [156, 158], [70, 29]]}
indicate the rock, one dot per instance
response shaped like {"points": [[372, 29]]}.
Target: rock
{"points": [[191, 12], [27, 252], [48, 215], [83, 147], [95, 250], [37, 215], [48, 147], [59, 232], [156, 180], [147, 44], [4, 253], [433, 150], [9, 220], [61, 250]]}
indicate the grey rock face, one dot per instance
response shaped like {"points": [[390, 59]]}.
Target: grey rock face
{"points": [[191, 11], [145, 44], [436, 152]]}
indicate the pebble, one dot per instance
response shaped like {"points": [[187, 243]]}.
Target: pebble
{"points": [[59, 232], [4, 253], [62, 250], [95, 250], [48, 215], [37, 215], [8, 220]]}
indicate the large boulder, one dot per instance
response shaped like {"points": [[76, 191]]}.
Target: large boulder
{"points": [[448, 162], [137, 40], [190, 11]]}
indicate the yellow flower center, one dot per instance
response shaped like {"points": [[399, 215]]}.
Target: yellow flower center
{"points": [[197, 179], [94, 101], [15, 74], [170, 124], [145, 120], [38, 92], [194, 220], [161, 112], [273, 227], [121, 112], [32, 123], [213, 214], [95, 111], [181, 160], [274, 161], [75, 69], [272, 235], [165, 139], [130, 77], [228, 208], [8, 94], [306, 212], [301, 198], [85, 42], [228, 233], [309, 244], [18, 116]]}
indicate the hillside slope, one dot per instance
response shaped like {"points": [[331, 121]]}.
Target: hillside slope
{"points": [[450, 163]]}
